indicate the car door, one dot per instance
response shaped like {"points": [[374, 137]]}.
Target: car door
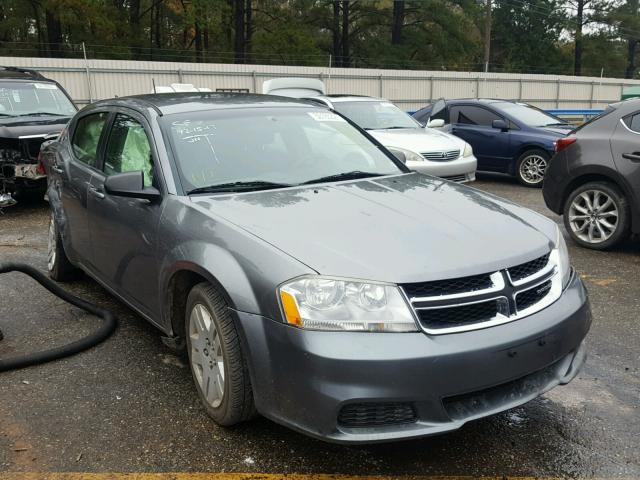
{"points": [[474, 124], [75, 168], [124, 231], [625, 148]]}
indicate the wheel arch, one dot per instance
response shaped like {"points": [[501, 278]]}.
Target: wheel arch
{"points": [[525, 148]]}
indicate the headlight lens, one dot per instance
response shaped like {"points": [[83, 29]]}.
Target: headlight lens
{"points": [[468, 150], [320, 303], [562, 258], [408, 154]]}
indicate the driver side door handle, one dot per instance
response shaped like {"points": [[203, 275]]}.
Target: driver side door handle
{"points": [[96, 193], [634, 157]]}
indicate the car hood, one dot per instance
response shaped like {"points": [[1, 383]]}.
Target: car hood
{"points": [[418, 140], [406, 228], [25, 126]]}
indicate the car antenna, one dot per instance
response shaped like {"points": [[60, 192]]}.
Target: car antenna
{"points": [[153, 82]]}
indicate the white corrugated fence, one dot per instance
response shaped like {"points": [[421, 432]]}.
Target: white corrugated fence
{"points": [[410, 89]]}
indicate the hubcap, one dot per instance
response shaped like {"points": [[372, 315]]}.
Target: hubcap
{"points": [[532, 169], [51, 245], [207, 361], [593, 216]]}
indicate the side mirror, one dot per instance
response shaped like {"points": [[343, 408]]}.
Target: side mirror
{"points": [[131, 185], [500, 125], [435, 123]]}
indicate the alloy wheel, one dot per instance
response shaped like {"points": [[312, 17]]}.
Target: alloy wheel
{"points": [[207, 360], [593, 216], [51, 245], [532, 169]]}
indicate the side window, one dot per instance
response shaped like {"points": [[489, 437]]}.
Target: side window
{"points": [[128, 149], [471, 115], [422, 115], [633, 122], [86, 137]]}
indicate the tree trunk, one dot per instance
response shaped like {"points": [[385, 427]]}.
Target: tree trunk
{"points": [[336, 33], [134, 25], [398, 22], [36, 16], [198, 41], [346, 54], [54, 33], [248, 30], [632, 44], [577, 59], [238, 21]]}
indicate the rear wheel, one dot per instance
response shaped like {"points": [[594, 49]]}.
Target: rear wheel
{"points": [[216, 358], [531, 167], [58, 265], [596, 215]]}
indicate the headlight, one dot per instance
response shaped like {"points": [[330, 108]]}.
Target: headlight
{"points": [[408, 154], [322, 303], [561, 254], [468, 150]]}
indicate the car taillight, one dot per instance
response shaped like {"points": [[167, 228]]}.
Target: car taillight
{"points": [[40, 168], [563, 143]]}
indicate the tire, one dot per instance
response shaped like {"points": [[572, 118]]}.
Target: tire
{"points": [[531, 167], [588, 214], [212, 338], [58, 265]]}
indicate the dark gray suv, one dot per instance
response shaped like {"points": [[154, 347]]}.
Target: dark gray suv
{"points": [[310, 276]]}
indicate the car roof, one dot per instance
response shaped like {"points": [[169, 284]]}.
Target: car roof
{"points": [[17, 73], [169, 103]]}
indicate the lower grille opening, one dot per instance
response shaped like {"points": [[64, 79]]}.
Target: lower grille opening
{"points": [[376, 414], [461, 407], [455, 178], [532, 296], [456, 316]]}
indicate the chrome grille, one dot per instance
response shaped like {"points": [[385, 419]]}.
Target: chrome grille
{"points": [[455, 178], [480, 301], [441, 156], [527, 269]]}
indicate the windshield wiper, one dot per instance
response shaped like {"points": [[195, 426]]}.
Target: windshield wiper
{"points": [[557, 124], [343, 176], [33, 114], [241, 186]]}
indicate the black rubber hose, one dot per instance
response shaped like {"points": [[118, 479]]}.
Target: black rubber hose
{"points": [[106, 329]]}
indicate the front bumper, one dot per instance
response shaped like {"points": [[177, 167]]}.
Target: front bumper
{"points": [[462, 169], [302, 379]]}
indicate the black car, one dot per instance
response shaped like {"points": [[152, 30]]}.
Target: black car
{"points": [[32, 108], [594, 178], [507, 137]]}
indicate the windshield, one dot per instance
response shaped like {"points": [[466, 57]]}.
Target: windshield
{"points": [[375, 115], [528, 114], [286, 146], [26, 98]]}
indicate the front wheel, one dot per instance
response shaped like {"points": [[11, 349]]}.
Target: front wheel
{"points": [[216, 358], [531, 167], [596, 215]]}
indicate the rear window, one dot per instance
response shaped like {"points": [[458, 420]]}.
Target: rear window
{"points": [[606, 112]]}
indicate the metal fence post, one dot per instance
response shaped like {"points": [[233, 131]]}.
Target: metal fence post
{"points": [[380, 85], [520, 89], [591, 95], [478, 87], [180, 78], [558, 93], [88, 73], [255, 82], [430, 89]]}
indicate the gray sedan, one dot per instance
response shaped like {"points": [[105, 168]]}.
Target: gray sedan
{"points": [[308, 274]]}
